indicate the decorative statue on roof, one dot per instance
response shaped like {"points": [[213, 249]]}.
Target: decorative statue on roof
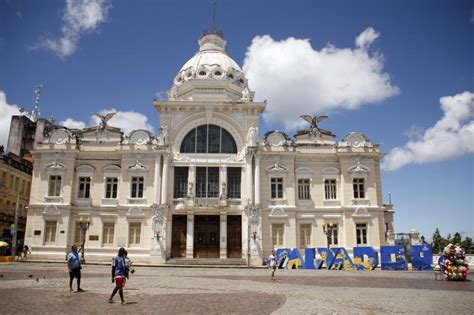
{"points": [[246, 94], [103, 120], [252, 136], [163, 136], [313, 122]]}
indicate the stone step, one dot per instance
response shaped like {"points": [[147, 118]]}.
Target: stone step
{"points": [[207, 261]]}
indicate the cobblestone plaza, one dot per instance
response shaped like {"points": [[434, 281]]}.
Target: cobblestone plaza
{"points": [[41, 287]]}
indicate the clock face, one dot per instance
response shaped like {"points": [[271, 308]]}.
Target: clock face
{"points": [[276, 139], [356, 140]]}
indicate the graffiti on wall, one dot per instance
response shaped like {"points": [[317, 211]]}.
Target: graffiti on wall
{"points": [[363, 258]]}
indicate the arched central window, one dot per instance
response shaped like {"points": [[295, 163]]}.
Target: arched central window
{"points": [[208, 139]]}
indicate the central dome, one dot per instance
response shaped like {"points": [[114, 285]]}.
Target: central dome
{"points": [[210, 73], [211, 52]]}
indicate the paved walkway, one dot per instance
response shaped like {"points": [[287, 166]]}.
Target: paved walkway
{"points": [[41, 288]]}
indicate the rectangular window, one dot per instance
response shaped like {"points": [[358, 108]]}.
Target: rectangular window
{"points": [[54, 185], [332, 235], [277, 235], [50, 232], [330, 189], [277, 188], [233, 182], [180, 182], [108, 234], [358, 184], [361, 233], [84, 187], [137, 187], [12, 179], [111, 187], [207, 182], [304, 189], [23, 191], [134, 234], [17, 183], [305, 235]]}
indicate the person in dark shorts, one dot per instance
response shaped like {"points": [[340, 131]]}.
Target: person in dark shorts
{"points": [[272, 262], [74, 266], [119, 273]]}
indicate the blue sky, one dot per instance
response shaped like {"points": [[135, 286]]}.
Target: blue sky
{"points": [[124, 59]]}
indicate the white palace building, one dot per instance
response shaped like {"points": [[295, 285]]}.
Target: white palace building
{"points": [[207, 186]]}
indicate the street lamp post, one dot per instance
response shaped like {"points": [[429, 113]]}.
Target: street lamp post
{"points": [[327, 228], [84, 225]]}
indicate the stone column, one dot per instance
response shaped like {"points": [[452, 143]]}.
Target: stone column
{"points": [[257, 180], [157, 179], [190, 236], [222, 179], [164, 190], [223, 235], [248, 170]]}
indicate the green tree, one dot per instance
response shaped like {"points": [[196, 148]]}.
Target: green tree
{"points": [[437, 239], [467, 245], [456, 239]]}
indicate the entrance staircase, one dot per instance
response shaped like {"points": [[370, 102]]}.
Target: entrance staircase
{"points": [[208, 262]]}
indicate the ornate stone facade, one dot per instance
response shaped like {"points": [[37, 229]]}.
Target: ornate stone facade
{"points": [[206, 185]]}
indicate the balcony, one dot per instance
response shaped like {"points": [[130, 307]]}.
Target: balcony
{"points": [[110, 202], [136, 201], [53, 199], [360, 202], [331, 203], [278, 202], [206, 202]]}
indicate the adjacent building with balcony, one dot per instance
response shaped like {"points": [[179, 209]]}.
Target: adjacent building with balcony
{"points": [[207, 186]]}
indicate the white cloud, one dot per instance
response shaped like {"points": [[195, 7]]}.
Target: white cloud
{"points": [[366, 38], [297, 79], [125, 120], [79, 17], [7, 111], [452, 136], [73, 124]]}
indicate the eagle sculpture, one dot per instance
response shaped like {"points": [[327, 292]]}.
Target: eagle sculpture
{"points": [[313, 122], [103, 119]]}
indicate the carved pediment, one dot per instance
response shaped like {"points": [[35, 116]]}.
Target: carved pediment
{"points": [[278, 212], [61, 136], [139, 137], [358, 169], [277, 168], [135, 212], [51, 210], [109, 134], [355, 140], [361, 212], [138, 167], [112, 168]]}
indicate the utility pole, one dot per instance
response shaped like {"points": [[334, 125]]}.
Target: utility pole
{"points": [[14, 230], [248, 232]]}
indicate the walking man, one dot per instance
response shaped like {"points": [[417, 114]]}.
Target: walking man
{"points": [[119, 271], [272, 263], [74, 266]]}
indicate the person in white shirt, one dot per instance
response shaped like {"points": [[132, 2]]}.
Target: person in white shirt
{"points": [[273, 263]]}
